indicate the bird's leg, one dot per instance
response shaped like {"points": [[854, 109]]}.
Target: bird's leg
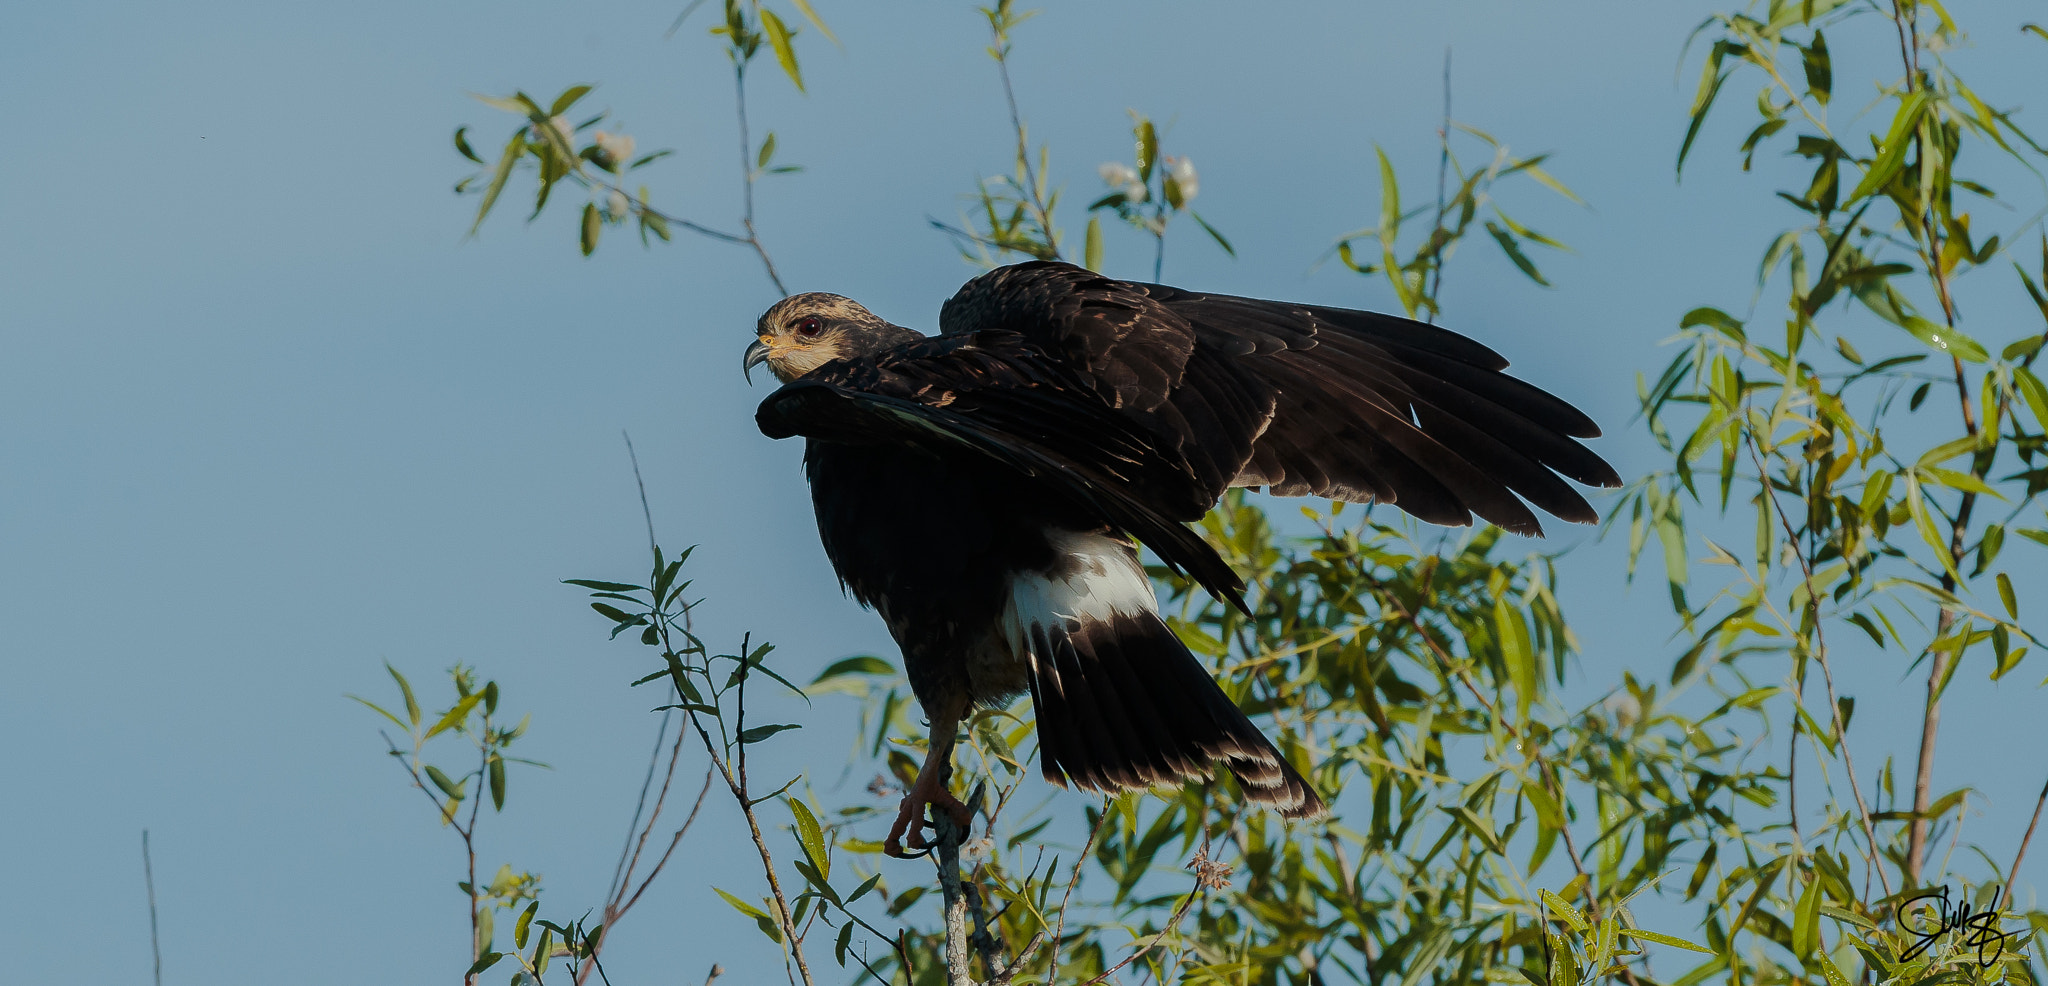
{"points": [[930, 788]]}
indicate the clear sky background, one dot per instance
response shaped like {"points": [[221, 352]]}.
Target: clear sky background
{"points": [[268, 420]]}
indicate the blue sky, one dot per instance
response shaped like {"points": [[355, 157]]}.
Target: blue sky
{"points": [[269, 419]]}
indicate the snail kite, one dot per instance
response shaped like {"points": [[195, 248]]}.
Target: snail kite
{"points": [[982, 490]]}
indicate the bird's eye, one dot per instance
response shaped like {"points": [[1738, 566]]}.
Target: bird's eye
{"points": [[809, 326]]}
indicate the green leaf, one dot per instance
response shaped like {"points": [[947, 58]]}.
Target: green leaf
{"points": [[412, 707], [442, 781], [592, 225], [1665, 940], [1514, 252], [1213, 234], [455, 714], [1565, 911], [1961, 481], [1513, 634], [1091, 252], [1728, 325], [767, 151], [497, 778], [462, 146], [567, 99], [804, 7], [1945, 339], [1891, 153], [1148, 147], [380, 710], [1827, 967], [742, 906], [778, 38], [1806, 919], [513, 148], [1916, 506], [755, 734], [1820, 74], [2005, 595], [859, 664], [1390, 198], [605, 586], [812, 837], [2036, 395], [525, 921], [485, 961]]}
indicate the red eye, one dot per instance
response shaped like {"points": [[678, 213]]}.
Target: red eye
{"points": [[809, 326]]}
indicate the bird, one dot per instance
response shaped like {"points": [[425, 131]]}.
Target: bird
{"points": [[985, 491]]}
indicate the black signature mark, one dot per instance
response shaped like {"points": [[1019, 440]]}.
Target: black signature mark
{"points": [[1979, 929]]}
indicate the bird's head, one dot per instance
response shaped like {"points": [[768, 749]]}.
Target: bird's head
{"points": [[805, 331]]}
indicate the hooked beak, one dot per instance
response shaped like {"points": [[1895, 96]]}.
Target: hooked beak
{"points": [[757, 353]]}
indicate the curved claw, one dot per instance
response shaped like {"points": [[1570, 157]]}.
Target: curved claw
{"points": [[911, 823]]}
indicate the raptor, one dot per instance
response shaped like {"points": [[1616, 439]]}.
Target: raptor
{"points": [[985, 491]]}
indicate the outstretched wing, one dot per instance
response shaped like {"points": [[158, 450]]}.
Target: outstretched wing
{"points": [[995, 396], [1302, 399]]}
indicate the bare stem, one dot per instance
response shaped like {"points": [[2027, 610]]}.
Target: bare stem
{"points": [[149, 881], [1820, 654], [1032, 189], [1443, 167], [2012, 876], [749, 172]]}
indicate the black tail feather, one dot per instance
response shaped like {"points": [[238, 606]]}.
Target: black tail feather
{"points": [[1123, 705]]}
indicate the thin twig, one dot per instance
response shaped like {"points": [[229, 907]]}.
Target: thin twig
{"points": [[1172, 924], [628, 850], [1001, 49], [1059, 934], [680, 831], [2012, 875], [747, 169], [1820, 654], [149, 881], [1443, 166]]}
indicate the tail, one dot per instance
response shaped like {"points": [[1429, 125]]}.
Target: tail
{"points": [[1123, 705]]}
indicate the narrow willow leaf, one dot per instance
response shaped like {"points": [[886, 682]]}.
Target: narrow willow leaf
{"points": [[592, 225], [1827, 966], [804, 7], [412, 706], [1091, 251], [778, 38], [1565, 911], [1665, 940], [455, 714], [811, 835], [1213, 234], [442, 781], [567, 99], [1891, 153], [513, 148], [1945, 339]]}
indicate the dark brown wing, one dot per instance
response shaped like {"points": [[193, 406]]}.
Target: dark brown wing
{"points": [[1303, 400], [996, 396]]}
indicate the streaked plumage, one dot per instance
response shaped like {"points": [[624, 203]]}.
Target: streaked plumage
{"points": [[980, 488]]}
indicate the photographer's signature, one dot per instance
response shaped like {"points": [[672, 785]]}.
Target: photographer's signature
{"points": [[1978, 929]]}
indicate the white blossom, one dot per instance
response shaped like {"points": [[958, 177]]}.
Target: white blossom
{"points": [[1183, 172], [560, 124], [1123, 178], [617, 204], [617, 148], [1624, 708]]}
